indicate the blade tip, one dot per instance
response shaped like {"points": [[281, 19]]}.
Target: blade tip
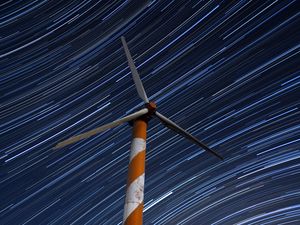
{"points": [[58, 146], [219, 156], [123, 39]]}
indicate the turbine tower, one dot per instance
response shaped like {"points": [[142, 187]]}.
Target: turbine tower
{"points": [[134, 201]]}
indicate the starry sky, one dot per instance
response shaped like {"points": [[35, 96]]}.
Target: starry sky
{"points": [[227, 71]]}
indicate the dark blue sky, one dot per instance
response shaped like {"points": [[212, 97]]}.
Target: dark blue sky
{"points": [[227, 71]]}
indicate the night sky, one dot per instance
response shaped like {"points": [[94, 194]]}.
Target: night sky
{"points": [[227, 71]]}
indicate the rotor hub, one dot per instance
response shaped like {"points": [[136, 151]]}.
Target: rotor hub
{"points": [[151, 106]]}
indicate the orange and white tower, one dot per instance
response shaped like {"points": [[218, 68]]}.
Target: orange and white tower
{"points": [[134, 202]]}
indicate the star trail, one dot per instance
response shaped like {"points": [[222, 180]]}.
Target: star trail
{"points": [[227, 71]]}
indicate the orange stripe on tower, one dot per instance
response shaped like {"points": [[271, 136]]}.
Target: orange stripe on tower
{"points": [[137, 167], [134, 217], [134, 203], [140, 129]]}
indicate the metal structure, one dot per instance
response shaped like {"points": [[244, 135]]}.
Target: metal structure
{"points": [[133, 209]]}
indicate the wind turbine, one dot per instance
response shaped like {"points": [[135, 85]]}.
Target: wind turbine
{"points": [[133, 208]]}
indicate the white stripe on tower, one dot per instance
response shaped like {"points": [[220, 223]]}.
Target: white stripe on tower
{"points": [[137, 145], [134, 195]]}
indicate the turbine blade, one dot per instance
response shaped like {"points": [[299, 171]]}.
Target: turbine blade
{"points": [[173, 126], [136, 77], [95, 131]]}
